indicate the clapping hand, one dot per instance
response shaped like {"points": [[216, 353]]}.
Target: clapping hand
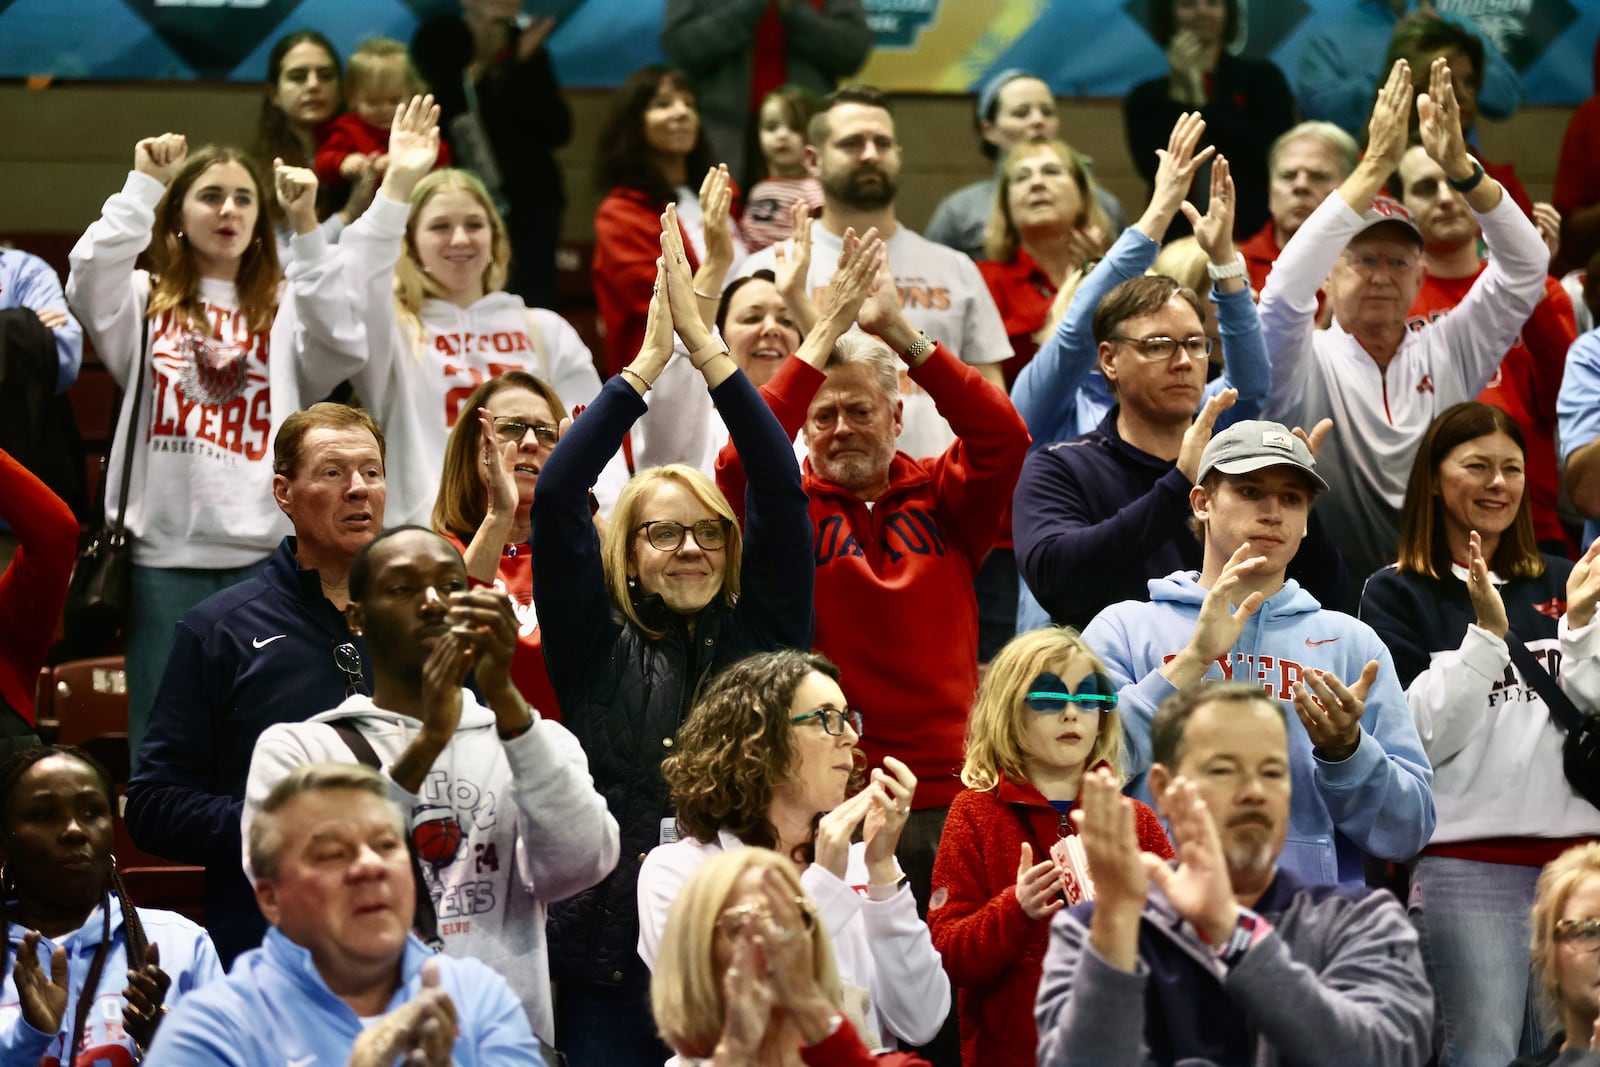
{"points": [[1213, 231], [1583, 587], [1331, 711], [1198, 435], [1486, 602], [1199, 888], [43, 999], [793, 266], [144, 998], [1039, 886], [421, 1031], [1388, 128]]}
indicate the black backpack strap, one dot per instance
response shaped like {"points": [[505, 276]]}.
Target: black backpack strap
{"points": [[1562, 710], [426, 922]]}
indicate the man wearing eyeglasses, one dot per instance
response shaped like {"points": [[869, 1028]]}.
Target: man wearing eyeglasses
{"points": [[1381, 381], [1098, 516], [274, 648], [1363, 785], [501, 812]]}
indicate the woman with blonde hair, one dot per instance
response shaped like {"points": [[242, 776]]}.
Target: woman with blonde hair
{"points": [[1045, 224], [768, 759], [431, 259], [766, 994], [637, 623], [1045, 715], [1565, 949]]}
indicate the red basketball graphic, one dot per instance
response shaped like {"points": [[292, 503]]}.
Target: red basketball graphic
{"points": [[436, 835], [212, 372]]}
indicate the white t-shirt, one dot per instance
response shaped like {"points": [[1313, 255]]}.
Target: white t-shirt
{"points": [[941, 293]]}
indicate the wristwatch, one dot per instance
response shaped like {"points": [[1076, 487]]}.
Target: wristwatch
{"points": [[1236, 269], [918, 347]]}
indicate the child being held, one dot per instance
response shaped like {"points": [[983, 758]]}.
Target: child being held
{"points": [[781, 123], [1045, 715], [378, 79]]}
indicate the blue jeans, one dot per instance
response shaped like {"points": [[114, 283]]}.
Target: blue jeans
{"points": [[160, 597], [1473, 919]]}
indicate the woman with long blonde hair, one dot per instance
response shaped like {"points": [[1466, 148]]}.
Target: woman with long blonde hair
{"points": [[1045, 716], [433, 260]]}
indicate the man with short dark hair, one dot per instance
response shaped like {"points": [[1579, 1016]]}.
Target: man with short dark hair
{"points": [[1365, 781], [500, 808], [341, 979], [854, 153], [1380, 381], [1227, 957], [271, 649]]}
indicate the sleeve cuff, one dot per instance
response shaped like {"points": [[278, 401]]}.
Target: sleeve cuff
{"points": [[143, 188]]}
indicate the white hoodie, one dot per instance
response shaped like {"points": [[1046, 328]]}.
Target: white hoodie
{"points": [[423, 367], [530, 827]]}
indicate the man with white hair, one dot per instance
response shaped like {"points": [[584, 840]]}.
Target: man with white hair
{"points": [[1305, 164]]}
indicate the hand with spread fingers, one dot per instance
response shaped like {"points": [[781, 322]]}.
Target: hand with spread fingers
{"points": [[413, 147], [43, 998], [1176, 167], [1331, 711], [1199, 887], [1218, 628], [1213, 231], [1198, 435], [1583, 587]]}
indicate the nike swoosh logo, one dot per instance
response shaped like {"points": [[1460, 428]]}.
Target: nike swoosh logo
{"points": [[263, 642], [1325, 641]]}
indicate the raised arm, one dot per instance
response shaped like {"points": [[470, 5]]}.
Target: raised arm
{"points": [[328, 338], [103, 289]]}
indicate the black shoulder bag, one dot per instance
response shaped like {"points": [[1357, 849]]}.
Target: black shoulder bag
{"points": [[97, 597], [1580, 753]]}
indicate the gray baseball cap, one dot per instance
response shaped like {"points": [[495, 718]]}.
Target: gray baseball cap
{"points": [[1386, 210], [1254, 445]]}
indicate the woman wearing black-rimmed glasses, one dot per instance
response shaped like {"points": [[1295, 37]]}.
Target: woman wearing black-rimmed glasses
{"points": [[492, 461], [768, 758], [635, 625]]}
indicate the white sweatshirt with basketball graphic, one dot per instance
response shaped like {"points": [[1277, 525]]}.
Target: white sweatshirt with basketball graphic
{"points": [[200, 493], [424, 366], [501, 828]]}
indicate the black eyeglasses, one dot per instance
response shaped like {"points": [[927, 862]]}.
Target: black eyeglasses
{"points": [[709, 534], [833, 719], [509, 429], [348, 660], [1155, 349]]}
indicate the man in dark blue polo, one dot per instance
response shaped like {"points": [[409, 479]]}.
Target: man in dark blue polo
{"points": [[272, 649]]}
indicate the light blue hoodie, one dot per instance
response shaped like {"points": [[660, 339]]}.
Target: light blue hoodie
{"points": [[1379, 801], [274, 1008]]}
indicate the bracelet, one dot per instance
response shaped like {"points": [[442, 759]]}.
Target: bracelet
{"points": [[918, 347], [1232, 270], [713, 346], [646, 381], [1466, 185], [1249, 929], [707, 296], [512, 735]]}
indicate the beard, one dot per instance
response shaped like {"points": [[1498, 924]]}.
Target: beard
{"points": [[1249, 850], [863, 187], [854, 471]]}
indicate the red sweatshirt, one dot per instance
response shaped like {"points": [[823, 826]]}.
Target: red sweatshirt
{"points": [[350, 135], [894, 600], [993, 952], [627, 243], [1526, 385], [33, 590]]}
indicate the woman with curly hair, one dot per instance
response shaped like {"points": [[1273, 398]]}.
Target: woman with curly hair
{"points": [[768, 993], [768, 758]]}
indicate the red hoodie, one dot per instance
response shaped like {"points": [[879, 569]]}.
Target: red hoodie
{"points": [[894, 600]]}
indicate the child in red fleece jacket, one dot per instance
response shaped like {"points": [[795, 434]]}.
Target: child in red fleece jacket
{"points": [[379, 78], [1045, 714]]}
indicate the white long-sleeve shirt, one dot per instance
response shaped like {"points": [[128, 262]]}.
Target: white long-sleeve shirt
{"points": [[1380, 415], [200, 492], [424, 367]]}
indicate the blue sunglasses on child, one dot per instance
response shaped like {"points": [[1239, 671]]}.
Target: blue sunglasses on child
{"points": [[1048, 694]]}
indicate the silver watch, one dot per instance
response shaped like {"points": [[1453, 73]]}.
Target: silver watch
{"points": [[1235, 269]]}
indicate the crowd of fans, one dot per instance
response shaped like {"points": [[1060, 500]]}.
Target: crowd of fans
{"points": [[1110, 652]]}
